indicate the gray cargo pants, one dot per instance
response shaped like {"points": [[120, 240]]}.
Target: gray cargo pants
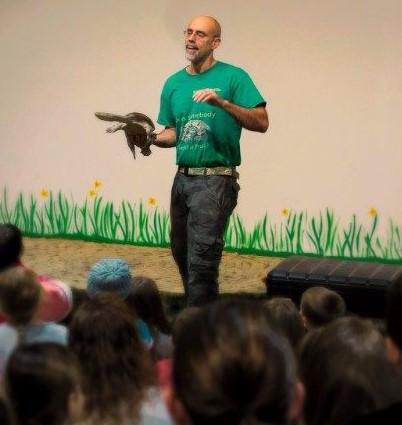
{"points": [[199, 211]]}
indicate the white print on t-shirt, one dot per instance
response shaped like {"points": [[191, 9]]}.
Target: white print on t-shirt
{"points": [[216, 89], [198, 115], [195, 131]]}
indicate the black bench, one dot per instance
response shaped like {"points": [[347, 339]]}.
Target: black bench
{"points": [[361, 284]]}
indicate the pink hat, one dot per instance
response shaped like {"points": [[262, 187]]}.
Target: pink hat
{"points": [[57, 300]]}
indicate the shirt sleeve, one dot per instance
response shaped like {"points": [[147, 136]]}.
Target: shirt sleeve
{"points": [[166, 117], [245, 92]]}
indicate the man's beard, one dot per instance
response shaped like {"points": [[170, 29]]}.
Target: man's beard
{"points": [[194, 55]]}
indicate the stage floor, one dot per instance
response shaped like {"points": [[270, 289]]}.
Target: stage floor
{"points": [[70, 261]]}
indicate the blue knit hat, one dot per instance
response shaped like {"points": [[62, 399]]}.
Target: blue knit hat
{"points": [[110, 274]]}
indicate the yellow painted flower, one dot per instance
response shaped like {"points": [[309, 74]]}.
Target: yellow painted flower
{"points": [[152, 201], [285, 212], [373, 212], [92, 193], [44, 193], [97, 184]]}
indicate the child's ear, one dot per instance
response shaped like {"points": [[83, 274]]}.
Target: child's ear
{"points": [[75, 405], [393, 352], [296, 405], [304, 320], [175, 406]]}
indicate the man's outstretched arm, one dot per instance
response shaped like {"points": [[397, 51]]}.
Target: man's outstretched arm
{"points": [[254, 119]]}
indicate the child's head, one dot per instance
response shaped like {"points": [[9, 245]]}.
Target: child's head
{"points": [[241, 371], [182, 320], [110, 275], [42, 384], [146, 301], [117, 369], [320, 305], [284, 316], [20, 294], [10, 245], [346, 372]]}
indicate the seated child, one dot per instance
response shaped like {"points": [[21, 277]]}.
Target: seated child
{"points": [[285, 317], [113, 275], [43, 385], [146, 301], [20, 298], [57, 296], [320, 305]]}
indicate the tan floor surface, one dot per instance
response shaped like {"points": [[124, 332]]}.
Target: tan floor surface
{"points": [[70, 261]]}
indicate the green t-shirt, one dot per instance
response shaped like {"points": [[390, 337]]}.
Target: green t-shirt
{"points": [[207, 135]]}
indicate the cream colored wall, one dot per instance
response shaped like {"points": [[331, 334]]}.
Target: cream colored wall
{"points": [[331, 71]]}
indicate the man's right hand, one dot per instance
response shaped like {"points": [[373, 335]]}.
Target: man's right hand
{"points": [[166, 138]]}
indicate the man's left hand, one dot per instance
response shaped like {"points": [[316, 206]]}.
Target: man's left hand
{"points": [[209, 96]]}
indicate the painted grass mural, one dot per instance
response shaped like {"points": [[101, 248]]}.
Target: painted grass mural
{"points": [[96, 219]]}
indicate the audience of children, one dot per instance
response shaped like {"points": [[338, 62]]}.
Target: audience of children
{"points": [[234, 362]]}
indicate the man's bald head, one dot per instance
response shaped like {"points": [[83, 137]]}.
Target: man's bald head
{"points": [[207, 22]]}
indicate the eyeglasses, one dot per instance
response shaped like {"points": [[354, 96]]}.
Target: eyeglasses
{"points": [[198, 34]]}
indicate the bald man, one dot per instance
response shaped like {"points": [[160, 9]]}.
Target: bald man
{"points": [[203, 109]]}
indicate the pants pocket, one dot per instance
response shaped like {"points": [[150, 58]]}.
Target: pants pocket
{"points": [[207, 252]]}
